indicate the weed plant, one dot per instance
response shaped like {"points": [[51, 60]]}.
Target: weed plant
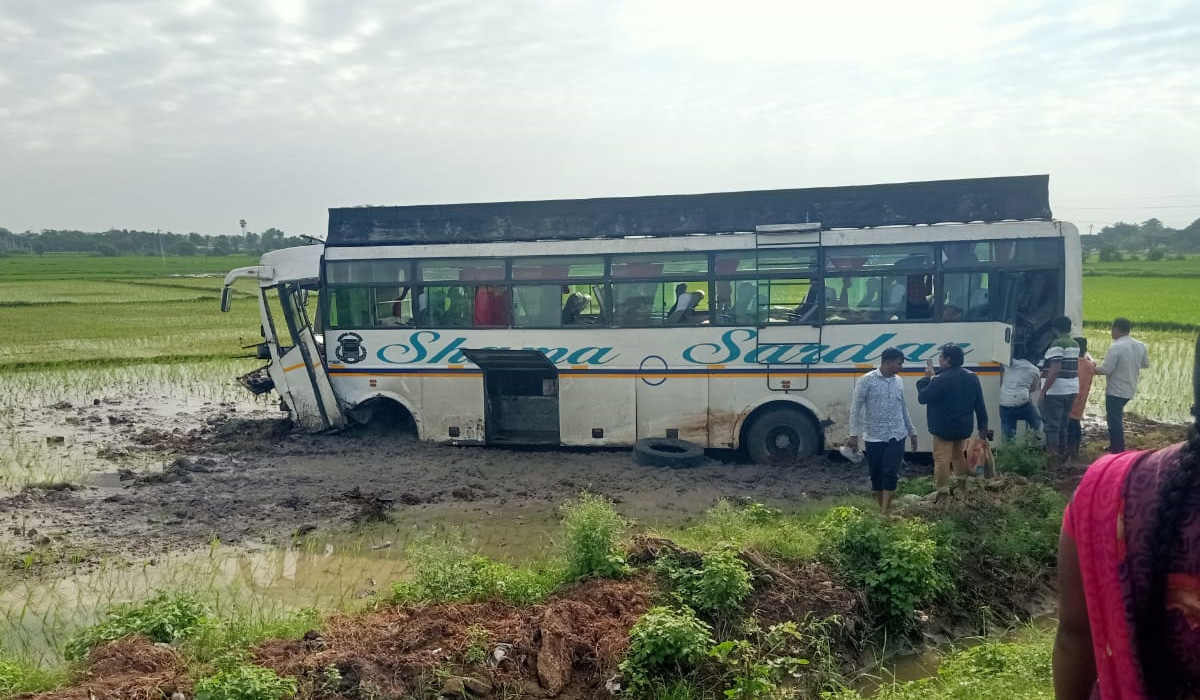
{"points": [[18, 677], [167, 617], [450, 571], [899, 565], [717, 589], [245, 682], [592, 532], [1024, 456], [664, 644]]}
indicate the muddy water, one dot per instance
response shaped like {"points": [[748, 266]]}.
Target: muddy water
{"points": [[257, 580], [168, 460], [924, 664]]}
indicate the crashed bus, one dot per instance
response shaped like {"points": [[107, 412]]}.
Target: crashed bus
{"points": [[732, 320]]}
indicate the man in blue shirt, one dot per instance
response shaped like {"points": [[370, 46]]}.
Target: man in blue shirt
{"points": [[879, 414]]}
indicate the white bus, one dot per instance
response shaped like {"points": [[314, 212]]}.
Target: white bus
{"points": [[733, 320]]}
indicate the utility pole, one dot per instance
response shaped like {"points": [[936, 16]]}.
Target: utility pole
{"points": [[161, 252], [243, 223]]}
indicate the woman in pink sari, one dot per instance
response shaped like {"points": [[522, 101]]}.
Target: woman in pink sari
{"points": [[1129, 576]]}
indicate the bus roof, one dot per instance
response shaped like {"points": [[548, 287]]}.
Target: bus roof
{"points": [[910, 203]]}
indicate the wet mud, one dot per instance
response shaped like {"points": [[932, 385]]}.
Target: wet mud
{"points": [[159, 480]]}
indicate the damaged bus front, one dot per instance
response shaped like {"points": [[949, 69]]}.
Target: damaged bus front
{"points": [[296, 370]]}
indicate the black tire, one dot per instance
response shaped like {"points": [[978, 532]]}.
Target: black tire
{"points": [[782, 436], [667, 452]]}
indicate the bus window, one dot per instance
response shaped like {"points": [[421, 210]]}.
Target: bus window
{"points": [[491, 307], [678, 265], [788, 301], [868, 299], [447, 270], [537, 305], [350, 307], [880, 259], [641, 304], [448, 306], [366, 271], [966, 297], [558, 268]]}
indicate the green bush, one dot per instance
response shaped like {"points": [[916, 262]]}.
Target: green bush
{"points": [[664, 643], [899, 565], [755, 669], [717, 589], [449, 572], [167, 617], [1023, 456], [593, 529], [245, 683]]}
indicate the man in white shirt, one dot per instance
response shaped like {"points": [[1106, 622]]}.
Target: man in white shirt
{"points": [[1020, 384], [879, 414], [1122, 365]]}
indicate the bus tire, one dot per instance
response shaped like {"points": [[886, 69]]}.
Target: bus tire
{"points": [[781, 436], [667, 452]]}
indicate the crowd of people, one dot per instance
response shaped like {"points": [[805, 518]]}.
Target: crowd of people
{"points": [[1129, 551], [1048, 394]]}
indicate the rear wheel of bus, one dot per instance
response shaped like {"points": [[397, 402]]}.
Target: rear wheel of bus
{"points": [[781, 435]]}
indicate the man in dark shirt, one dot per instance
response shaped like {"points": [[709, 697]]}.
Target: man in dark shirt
{"points": [[953, 404]]}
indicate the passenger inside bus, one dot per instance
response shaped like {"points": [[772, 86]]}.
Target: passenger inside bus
{"points": [[575, 304], [491, 306], [684, 310], [745, 304]]}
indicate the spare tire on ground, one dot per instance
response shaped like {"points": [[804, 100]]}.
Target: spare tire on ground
{"points": [[667, 452]]}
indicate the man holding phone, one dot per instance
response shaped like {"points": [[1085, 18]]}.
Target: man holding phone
{"points": [[953, 406], [879, 413]]}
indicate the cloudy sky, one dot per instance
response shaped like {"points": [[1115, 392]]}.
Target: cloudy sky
{"points": [[188, 115]]}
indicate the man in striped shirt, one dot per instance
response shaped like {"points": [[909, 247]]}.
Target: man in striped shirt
{"points": [[879, 414], [1059, 389]]}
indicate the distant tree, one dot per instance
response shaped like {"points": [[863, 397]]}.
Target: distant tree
{"points": [[107, 251], [272, 239], [1156, 254], [1110, 253], [185, 248], [37, 247], [1120, 235]]}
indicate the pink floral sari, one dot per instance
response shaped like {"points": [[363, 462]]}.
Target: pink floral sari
{"points": [[1111, 518]]}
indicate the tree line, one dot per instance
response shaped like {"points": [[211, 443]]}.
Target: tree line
{"points": [[1150, 237], [117, 242]]}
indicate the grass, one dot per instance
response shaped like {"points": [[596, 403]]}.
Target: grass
{"points": [[1188, 267], [1005, 668], [63, 266], [1164, 300]]}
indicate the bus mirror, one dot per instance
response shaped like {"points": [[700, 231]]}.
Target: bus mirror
{"points": [[226, 298]]}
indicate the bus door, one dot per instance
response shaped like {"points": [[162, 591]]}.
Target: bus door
{"points": [[297, 367], [520, 396], [790, 308]]}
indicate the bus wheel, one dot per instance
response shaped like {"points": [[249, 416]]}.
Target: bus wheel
{"points": [[667, 452], [780, 436]]}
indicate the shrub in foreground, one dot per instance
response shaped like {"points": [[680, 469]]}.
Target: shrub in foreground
{"points": [[446, 573], [717, 589], [593, 529], [664, 644], [245, 682], [167, 617], [899, 565]]}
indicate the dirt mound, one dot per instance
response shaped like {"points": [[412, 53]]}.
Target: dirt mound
{"points": [[566, 647], [133, 668]]}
